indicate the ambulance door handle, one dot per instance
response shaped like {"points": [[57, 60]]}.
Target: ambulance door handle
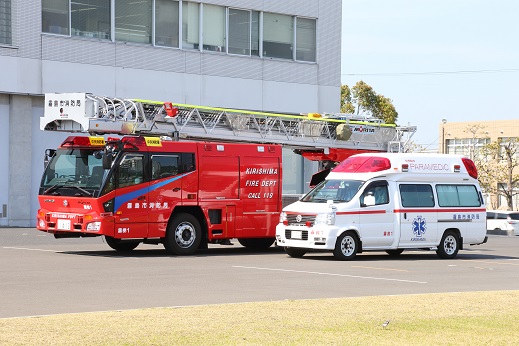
{"points": [[405, 216], [176, 189]]}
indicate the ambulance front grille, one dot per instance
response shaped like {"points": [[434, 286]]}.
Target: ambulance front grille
{"points": [[300, 220]]}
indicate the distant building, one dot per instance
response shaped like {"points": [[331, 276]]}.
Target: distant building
{"points": [[466, 138]]}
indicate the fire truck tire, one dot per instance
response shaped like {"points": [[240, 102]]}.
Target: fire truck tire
{"points": [[295, 252], [449, 245], [184, 235], [346, 247], [121, 245], [256, 243]]}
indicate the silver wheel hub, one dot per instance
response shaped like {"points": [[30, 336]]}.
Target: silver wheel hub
{"points": [[185, 235], [347, 246], [449, 245]]}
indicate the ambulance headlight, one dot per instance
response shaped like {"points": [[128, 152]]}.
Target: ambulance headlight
{"points": [[93, 226], [325, 219], [282, 217]]}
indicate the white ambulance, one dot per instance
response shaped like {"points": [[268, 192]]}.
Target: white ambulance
{"points": [[388, 202]]}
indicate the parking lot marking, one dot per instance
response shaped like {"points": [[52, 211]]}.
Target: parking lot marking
{"points": [[332, 274], [492, 262], [388, 269], [28, 249]]}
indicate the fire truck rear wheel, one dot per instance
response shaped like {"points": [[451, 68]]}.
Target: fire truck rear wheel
{"points": [[121, 245], [184, 235], [256, 243], [346, 247]]}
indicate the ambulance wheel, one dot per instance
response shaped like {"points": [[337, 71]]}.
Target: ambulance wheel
{"points": [[121, 245], [295, 252], [449, 245], [394, 252], [256, 243], [183, 235], [346, 247]]}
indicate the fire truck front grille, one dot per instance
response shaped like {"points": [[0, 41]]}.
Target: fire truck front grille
{"points": [[304, 234], [300, 220]]}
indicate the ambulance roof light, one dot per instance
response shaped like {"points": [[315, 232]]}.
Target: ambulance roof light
{"points": [[363, 164], [470, 166]]}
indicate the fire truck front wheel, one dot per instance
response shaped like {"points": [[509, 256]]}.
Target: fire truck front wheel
{"points": [[184, 235]]}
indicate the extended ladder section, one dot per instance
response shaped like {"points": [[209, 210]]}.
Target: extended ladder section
{"points": [[82, 112]]}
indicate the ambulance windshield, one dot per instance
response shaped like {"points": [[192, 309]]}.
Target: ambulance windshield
{"points": [[336, 190], [73, 172]]}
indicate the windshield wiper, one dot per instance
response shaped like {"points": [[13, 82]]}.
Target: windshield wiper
{"points": [[52, 188], [59, 186]]}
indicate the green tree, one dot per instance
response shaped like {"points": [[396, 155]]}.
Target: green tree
{"points": [[362, 99]]}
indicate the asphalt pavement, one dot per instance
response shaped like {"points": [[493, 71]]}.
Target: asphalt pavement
{"points": [[42, 276]]}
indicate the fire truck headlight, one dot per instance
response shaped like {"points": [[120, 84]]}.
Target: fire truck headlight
{"points": [[282, 217], [42, 224], [325, 219], [93, 226]]}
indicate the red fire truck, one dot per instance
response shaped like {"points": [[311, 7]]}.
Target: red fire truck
{"points": [[146, 187]]}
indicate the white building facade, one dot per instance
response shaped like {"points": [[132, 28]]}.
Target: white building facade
{"points": [[281, 56]]}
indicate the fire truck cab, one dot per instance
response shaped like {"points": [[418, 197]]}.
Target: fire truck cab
{"points": [[182, 194], [388, 202]]}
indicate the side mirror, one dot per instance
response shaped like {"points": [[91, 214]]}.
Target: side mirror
{"points": [[369, 199], [49, 154], [107, 159]]}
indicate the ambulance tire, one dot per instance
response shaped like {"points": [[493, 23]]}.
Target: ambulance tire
{"points": [[449, 245], [121, 245], [256, 243], [347, 246], [184, 235], [295, 252], [394, 252]]}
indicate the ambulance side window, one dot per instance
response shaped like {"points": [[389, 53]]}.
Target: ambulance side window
{"points": [[458, 196], [416, 195], [375, 193]]}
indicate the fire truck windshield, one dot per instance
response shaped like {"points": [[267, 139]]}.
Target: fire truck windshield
{"points": [[336, 190], [74, 172]]}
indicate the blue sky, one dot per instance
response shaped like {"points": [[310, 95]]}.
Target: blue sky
{"points": [[436, 59]]}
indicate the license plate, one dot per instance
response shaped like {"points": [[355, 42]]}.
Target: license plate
{"points": [[297, 235], [64, 225]]}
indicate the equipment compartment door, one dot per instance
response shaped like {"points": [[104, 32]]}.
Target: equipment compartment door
{"points": [[260, 195]]}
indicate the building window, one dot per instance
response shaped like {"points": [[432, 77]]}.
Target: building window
{"points": [[466, 146], [278, 36], [243, 32], [190, 25], [178, 24], [305, 39], [214, 28], [55, 16], [133, 21], [5, 22], [91, 18], [166, 23]]}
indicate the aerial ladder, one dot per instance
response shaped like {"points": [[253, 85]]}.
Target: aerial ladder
{"points": [[318, 137]]}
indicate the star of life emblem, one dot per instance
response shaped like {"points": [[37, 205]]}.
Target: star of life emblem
{"points": [[419, 226]]}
